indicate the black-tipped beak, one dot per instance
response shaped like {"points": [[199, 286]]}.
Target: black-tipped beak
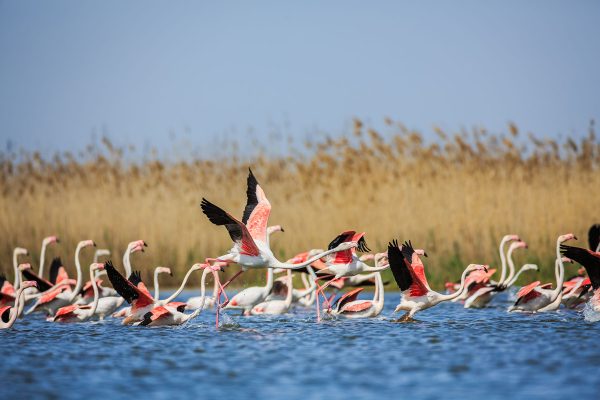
{"points": [[425, 254], [282, 230], [57, 240], [575, 237], [145, 244]]}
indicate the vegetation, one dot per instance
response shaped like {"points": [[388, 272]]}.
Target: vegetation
{"points": [[454, 196]]}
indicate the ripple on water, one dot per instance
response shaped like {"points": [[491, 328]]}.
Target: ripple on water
{"points": [[446, 352]]}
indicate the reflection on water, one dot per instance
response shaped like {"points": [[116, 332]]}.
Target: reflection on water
{"points": [[448, 351]]}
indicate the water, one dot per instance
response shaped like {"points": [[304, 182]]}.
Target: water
{"points": [[450, 352]]}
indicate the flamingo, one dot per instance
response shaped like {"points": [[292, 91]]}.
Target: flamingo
{"points": [[345, 263], [416, 295], [100, 253], [58, 298], [349, 307], [482, 296], [590, 260], [117, 301], [535, 297], [276, 307], [157, 271], [452, 287], [79, 312], [45, 243], [196, 302], [8, 314], [18, 251], [251, 246]]}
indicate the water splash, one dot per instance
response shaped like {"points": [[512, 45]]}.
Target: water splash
{"points": [[589, 314]]}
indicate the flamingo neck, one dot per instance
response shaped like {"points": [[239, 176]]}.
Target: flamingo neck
{"points": [[79, 277], [42, 259], [379, 290], [269, 286], [19, 304], [275, 263], [446, 297], [290, 289], [156, 285], [502, 260], [516, 277], [17, 281], [96, 294], [127, 262], [511, 265], [178, 292], [559, 271]]}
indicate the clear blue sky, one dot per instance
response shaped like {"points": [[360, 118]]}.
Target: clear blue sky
{"points": [[143, 71]]}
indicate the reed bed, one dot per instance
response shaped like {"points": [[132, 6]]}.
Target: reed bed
{"points": [[455, 195]]}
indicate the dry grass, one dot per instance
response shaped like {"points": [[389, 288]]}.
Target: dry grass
{"points": [[455, 197]]}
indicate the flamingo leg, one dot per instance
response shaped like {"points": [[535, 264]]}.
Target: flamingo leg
{"points": [[320, 290]]}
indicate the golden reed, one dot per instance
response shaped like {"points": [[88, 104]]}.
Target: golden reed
{"points": [[455, 196]]}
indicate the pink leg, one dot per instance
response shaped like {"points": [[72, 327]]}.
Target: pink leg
{"points": [[320, 290]]}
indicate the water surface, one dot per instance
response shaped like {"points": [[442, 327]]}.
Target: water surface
{"points": [[449, 352]]}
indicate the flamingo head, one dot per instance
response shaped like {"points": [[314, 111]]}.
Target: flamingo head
{"points": [[532, 267], [420, 252], [49, 240], [102, 252], [566, 260], [86, 243], [477, 267], [274, 228], [28, 284], [381, 259], [20, 251], [199, 266], [346, 246], [517, 245], [511, 238], [24, 266], [97, 266], [564, 238], [164, 270]]}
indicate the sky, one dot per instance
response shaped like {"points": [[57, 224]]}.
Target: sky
{"points": [[152, 73]]}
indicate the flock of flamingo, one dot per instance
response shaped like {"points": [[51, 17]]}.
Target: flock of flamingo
{"points": [[323, 273]]}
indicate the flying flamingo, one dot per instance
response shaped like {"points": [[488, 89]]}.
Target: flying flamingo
{"points": [[117, 301], [590, 260], [276, 307], [251, 247], [249, 297], [535, 297], [416, 296], [58, 298], [482, 296], [78, 312], [8, 314]]}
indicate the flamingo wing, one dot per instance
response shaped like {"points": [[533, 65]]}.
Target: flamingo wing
{"points": [[42, 284], [342, 257], [362, 243], [51, 295], [125, 288], [54, 269], [5, 313], [178, 305], [403, 273], [237, 230], [347, 297], [64, 311], [258, 209], [594, 236], [358, 306], [6, 287], [588, 258], [527, 292], [415, 262], [154, 314]]}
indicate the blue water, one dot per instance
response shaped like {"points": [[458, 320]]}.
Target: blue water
{"points": [[449, 352]]}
